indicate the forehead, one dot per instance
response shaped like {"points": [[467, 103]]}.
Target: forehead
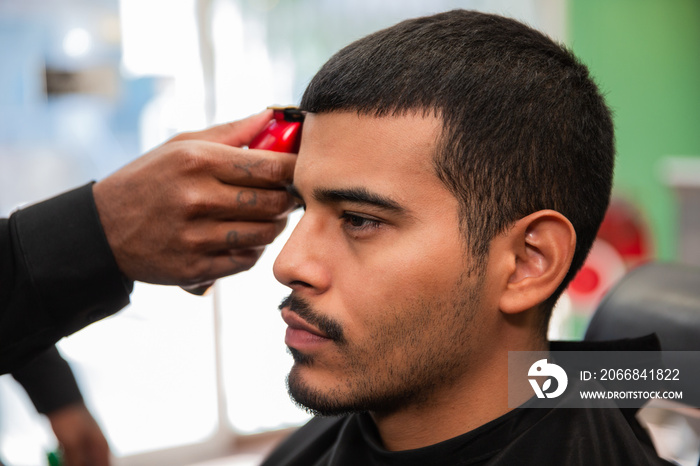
{"points": [[350, 149]]}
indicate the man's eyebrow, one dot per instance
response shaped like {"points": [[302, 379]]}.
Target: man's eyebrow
{"points": [[353, 195], [357, 196]]}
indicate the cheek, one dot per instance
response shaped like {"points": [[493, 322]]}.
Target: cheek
{"points": [[392, 281], [422, 266]]}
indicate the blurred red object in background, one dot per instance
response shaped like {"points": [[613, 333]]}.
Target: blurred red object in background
{"points": [[622, 243]]}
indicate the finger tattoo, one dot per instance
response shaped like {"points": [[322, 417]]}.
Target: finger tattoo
{"points": [[247, 197], [237, 240], [248, 166]]}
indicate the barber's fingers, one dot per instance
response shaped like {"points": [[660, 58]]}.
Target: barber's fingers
{"points": [[243, 204], [231, 165], [242, 235], [225, 264], [254, 167], [229, 248], [221, 238], [255, 204], [237, 133]]}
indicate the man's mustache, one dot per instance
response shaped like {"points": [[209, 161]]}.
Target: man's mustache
{"points": [[303, 309]]}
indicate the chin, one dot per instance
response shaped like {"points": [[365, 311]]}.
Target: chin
{"points": [[314, 400], [353, 397]]}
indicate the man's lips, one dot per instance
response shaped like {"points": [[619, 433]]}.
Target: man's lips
{"points": [[295, 322], [301, 335]]}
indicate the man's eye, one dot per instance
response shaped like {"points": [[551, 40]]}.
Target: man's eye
{"points": [[355, 222]]}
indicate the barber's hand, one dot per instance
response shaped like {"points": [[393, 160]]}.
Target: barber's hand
{"points": [[79, 436], [198, 207]]}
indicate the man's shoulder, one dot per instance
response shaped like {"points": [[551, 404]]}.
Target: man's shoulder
{"points": [[575, 436], [579, 436]]}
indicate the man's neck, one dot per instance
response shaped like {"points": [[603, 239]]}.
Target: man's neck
{"points": [[472, 401]]}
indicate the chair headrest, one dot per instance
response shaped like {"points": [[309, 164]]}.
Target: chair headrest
{"points": [[659, 298]]}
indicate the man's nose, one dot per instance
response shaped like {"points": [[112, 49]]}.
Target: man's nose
{"points": [[302, 263]]}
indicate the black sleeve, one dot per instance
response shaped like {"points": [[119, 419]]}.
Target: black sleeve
{"points": [[49, 382], [57, 275]]}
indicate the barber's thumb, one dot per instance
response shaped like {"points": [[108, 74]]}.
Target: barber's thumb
{"points": [[236, 133]]}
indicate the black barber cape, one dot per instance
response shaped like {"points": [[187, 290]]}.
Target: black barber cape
{"points": [[524, 436]]}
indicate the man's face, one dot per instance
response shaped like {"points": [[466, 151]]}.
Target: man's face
{"points": [[383, 311]]}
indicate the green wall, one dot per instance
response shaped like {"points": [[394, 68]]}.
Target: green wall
{"points": [[645, 56]]}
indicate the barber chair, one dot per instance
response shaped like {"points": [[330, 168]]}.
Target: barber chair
{"points": [[660, 298], [663, 299]]}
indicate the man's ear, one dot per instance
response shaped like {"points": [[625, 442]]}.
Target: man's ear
{"points": [[538, 252]]}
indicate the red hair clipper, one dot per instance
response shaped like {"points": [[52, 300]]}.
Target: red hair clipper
{"points": [[282, 134]]}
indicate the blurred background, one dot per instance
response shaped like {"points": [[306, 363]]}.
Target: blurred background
{"points": [[88, 85]]}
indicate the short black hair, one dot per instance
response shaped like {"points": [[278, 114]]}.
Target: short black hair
{"points": [[525, 128]]}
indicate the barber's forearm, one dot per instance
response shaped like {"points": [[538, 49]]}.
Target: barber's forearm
{"points": [[61, 275]]}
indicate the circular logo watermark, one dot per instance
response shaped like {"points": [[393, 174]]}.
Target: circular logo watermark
{"points": [[542, 368]]}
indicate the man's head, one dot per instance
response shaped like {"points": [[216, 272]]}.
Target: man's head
{"points": [[525, 128], [443, 164]]}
